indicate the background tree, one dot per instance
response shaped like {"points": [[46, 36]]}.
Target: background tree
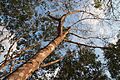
{"points": [[113, 59]]}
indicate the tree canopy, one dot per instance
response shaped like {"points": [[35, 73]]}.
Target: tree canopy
{"points": [[89, 50]]}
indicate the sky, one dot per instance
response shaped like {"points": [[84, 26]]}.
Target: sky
{"points": [[96, 26]]}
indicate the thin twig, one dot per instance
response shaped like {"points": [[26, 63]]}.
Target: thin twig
{"points": [[86, 45]]}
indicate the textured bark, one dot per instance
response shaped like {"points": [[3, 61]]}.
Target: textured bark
{"points": [[33, 64]]}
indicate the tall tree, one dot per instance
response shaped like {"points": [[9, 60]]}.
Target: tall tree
{"points": [[43, 24]]}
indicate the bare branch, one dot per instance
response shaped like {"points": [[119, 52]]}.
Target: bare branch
{"points": [[85, 37], [54, 18], [5, 62], [32, 64], [53, 62], [107, 19], [61, 20], [86, 45]]}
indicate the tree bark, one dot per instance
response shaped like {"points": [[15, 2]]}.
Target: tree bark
{"points": [[23, 72]]}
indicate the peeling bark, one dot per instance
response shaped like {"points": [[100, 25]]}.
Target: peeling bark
{"points": [[23, 72]]}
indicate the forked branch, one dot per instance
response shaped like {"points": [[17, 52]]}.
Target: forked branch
{"points": [[61, 20]]}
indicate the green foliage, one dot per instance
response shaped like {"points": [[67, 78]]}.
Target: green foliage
{"points": [[76, 65], [113, 57], [16, 12], [15, 7], [82, 65], [97, 3]]}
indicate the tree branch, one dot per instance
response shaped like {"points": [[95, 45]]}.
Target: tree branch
{"points": [[23, 72], [86, 37], [55, 61], [61, 20], [86, 45], [50, 63]]}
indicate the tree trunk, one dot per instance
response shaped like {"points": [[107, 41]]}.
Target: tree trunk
{"points": [[23, 72]]}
